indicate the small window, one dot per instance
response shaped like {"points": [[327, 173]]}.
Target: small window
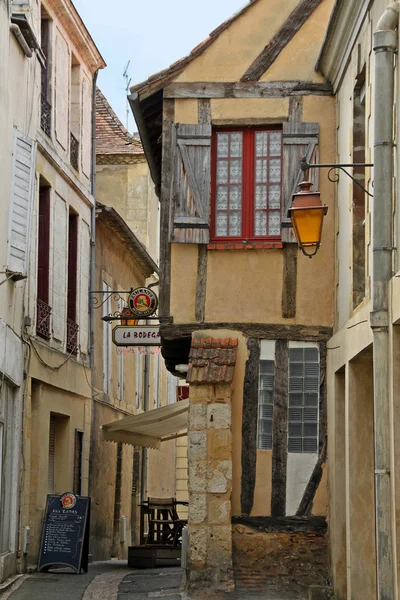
{"points": [[303, 399], [265, 404], [246, 184]]}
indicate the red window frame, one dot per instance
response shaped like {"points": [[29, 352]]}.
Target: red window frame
{"points": [[248, 184]]}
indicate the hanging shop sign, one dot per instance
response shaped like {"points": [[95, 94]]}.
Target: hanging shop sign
{"points": [[143, 302], [146, 335]]}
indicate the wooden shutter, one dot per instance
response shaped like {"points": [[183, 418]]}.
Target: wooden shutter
{"points": [[59, 263], [52, 456], [21, 202], [84, 283], [86, 153], [299, 139], [62, 60], [191, 185], [72, 265]]}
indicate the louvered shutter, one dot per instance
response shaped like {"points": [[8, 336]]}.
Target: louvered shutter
{"points": [[191, 185], [84, 274], [299, 139], [21, 202], [60, 271], [86, 153]]}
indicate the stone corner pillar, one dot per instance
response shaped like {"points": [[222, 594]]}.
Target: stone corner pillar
{"points": [[210, 487]]}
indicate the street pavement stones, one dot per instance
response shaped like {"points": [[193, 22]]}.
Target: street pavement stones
{"points": [[112, 580]]}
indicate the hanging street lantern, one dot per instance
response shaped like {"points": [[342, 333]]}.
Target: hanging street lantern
{"points": [[126, 317], [307, 215]]}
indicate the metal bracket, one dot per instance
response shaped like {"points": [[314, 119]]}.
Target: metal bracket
{"points": [[333, 176]]}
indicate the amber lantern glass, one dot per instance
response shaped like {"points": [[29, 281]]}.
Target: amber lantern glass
{"points": [[125, 320], [307, 215]]}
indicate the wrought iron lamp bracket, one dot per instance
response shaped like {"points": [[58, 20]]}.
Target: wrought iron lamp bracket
{"points": [[105, 295], [334, 175], [96, 302]]}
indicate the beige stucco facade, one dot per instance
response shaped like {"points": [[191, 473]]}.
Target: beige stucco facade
{"points": [[126, 381], [48, 403], [348, 59]]}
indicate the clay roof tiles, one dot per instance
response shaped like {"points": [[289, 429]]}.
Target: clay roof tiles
{"points": [[197, 50], [111, 136], [212, 360]]}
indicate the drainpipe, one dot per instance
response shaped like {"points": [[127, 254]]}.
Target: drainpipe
{"points": [[385, 45], [146, 406], [92, 269]]}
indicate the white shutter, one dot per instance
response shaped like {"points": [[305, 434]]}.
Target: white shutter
{"points": [[59, 275], [84, 287], [52, 456], [22, 192], [86, 126], [62, 60]]}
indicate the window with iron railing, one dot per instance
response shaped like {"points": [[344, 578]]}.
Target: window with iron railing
{"points": [[74, 152]]}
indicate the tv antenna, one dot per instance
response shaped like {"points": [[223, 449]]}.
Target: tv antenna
{"points": [[127, 84]]}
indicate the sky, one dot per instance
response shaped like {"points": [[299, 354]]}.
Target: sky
{"points": [[151, 34]]}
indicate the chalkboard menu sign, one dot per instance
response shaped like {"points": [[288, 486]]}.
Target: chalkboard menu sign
{"points": [[65, 533]]}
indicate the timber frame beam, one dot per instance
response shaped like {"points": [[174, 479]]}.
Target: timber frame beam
{"points": [[267, 89], [264, 331]]}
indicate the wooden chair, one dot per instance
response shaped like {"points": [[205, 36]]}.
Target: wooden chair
{"points": [[162, 525]]}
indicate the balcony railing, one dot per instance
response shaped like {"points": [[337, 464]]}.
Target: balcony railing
{"points": [[45, 116], [72, 336], [43, 319], [74, 152]]}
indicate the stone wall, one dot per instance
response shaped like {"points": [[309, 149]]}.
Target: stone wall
{"points": [[210, 487]]}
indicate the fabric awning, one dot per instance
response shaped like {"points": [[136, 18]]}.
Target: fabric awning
{"points": [[151, 428]]}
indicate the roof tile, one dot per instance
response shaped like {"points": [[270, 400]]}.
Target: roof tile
{"points": [[212, 361], [111, 135]]}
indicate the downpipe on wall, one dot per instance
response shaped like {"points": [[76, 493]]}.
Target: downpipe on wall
{"points": [[385, 46], [92, 272]]}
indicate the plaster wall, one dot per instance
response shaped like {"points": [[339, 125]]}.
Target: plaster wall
{"points": [[162, 471], [361, 578], [237, 47], [122, 400], [72, 412], [128, 188]]}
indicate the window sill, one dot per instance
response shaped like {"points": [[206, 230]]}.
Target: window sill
{"points": [[245, 246]]}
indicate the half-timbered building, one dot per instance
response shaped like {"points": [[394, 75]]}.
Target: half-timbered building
{"points": [[224, 130]]}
